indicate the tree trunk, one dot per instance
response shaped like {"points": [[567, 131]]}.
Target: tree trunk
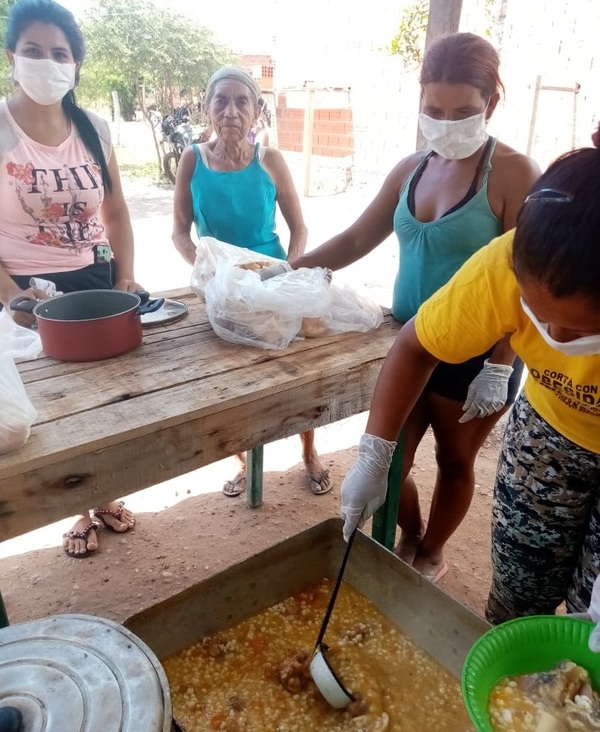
{"points": [[444, 19]]}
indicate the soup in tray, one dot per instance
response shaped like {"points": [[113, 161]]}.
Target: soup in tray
{"points": [[253, 677]]}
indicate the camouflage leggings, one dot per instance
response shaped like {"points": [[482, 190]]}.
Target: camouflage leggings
{"points": [[545, 520]]}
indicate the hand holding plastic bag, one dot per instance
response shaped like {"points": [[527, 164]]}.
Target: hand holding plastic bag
{"points": [[256, 300], [17, 413], [243, 309]]}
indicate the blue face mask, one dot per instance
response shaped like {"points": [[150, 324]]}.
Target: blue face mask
{"points": [[587, 346]]}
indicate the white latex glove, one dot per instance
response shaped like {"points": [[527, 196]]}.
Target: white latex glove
{"points": [[273, 270], [365, 486], [593, 614], [487, 392]]}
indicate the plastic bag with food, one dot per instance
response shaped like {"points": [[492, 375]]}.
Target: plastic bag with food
{"points": [[212, 254], [269, 312], [243, 309], [17, 413], [351, 311]]}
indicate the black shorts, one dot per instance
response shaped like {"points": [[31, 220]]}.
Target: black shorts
{"points": [[451, 380], [93, 277]]}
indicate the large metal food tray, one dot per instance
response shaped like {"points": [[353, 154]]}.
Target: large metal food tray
{"points": [[440, 625]]}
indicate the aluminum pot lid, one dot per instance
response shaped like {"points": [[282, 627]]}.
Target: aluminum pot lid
{"points": [[79, 673]]}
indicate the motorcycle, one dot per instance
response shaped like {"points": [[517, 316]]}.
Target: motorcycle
{"points": [[177, 134]]}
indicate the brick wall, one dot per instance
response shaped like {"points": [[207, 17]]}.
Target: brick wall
{"points": [[333, 131]]}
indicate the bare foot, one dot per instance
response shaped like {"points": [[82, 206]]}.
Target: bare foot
{"points": [[408, 546], [320, 480], [431, 569], [115, 516], [237, 485], [81, 539], [406, 549]]}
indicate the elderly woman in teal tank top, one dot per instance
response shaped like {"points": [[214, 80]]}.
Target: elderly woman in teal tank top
{"points": [[444, 204], [229, 188]]}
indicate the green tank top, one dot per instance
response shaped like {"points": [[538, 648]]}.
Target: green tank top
{"points": [[430, 253], [237, 206]]}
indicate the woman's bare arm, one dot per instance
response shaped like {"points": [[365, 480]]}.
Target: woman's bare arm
{"points": [[183, 213]]}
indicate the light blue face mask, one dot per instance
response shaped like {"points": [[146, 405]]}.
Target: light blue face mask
{"points": [[587, 346]]}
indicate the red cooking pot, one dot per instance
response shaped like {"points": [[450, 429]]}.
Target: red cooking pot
{"points": [[89, 325]]}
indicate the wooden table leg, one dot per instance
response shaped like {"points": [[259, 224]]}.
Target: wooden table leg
{"points": [[3, 615], [384, 520], [254, 477]]}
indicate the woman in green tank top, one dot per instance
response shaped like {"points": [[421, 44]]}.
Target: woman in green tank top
{"points": [[229, 188], [443, 204]]}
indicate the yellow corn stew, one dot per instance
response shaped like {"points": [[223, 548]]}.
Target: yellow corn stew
{"points": [[254, 676]]}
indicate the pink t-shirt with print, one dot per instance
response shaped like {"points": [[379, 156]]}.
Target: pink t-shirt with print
{"points": [[50, 199]]}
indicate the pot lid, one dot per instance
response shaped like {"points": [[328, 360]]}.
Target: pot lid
{"points": [[79, 673]]}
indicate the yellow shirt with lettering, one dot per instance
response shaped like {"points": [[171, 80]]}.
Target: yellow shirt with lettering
{"points": [[477, 307]]}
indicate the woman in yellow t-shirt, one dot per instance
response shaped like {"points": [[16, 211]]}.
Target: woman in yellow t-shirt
{"points": [[538, 284]]}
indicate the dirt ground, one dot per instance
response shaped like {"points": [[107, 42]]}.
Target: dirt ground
{"points": [[186, 528]]}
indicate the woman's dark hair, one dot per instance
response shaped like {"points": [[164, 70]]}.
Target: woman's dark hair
{"points": [[557, 239], [463, 58], [21, 15]]}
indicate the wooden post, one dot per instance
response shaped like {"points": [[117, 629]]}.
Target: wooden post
{"points": [[383, 528], [576, 89], [116, 116], [307, 136], [534, 108], [254, 477], [443, 19]]}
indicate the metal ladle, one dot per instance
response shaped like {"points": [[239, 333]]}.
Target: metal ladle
{"points": [[325, 678]]}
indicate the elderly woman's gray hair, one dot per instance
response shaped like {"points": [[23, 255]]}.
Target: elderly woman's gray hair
{"points": [[232, 73]]}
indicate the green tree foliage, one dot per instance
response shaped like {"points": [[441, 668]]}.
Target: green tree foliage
{"points": [[409, 42], [134, 47], [5, 81]]}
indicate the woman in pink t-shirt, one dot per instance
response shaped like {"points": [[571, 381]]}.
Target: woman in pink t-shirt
{"points": [[63, 216]]}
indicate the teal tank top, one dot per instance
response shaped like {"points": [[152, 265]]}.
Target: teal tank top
{"points": [[430, 253], [237, 207]]}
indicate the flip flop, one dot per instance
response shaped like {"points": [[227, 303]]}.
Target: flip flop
{"points": [[100, 513], [316, 483], [437, 576], [234, 487], [80, 535]]}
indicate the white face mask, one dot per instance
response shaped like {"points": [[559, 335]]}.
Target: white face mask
{"points": [[587, 346], [43, 80], [456, 139]]}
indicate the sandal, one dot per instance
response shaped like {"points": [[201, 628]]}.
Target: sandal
{"points": [[437, 575], [320, 484], [83, 535], [236, 486], [100, 513]]}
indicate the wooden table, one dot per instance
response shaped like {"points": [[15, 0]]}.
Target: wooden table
{"points": [[182, 400]]}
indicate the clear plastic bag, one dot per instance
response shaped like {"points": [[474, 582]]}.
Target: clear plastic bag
{"points": [[243, 309], [351, 311], [17, 413], [271, 313]]}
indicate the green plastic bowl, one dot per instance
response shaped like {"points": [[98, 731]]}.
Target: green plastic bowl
{"points": [[523, 646]]}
